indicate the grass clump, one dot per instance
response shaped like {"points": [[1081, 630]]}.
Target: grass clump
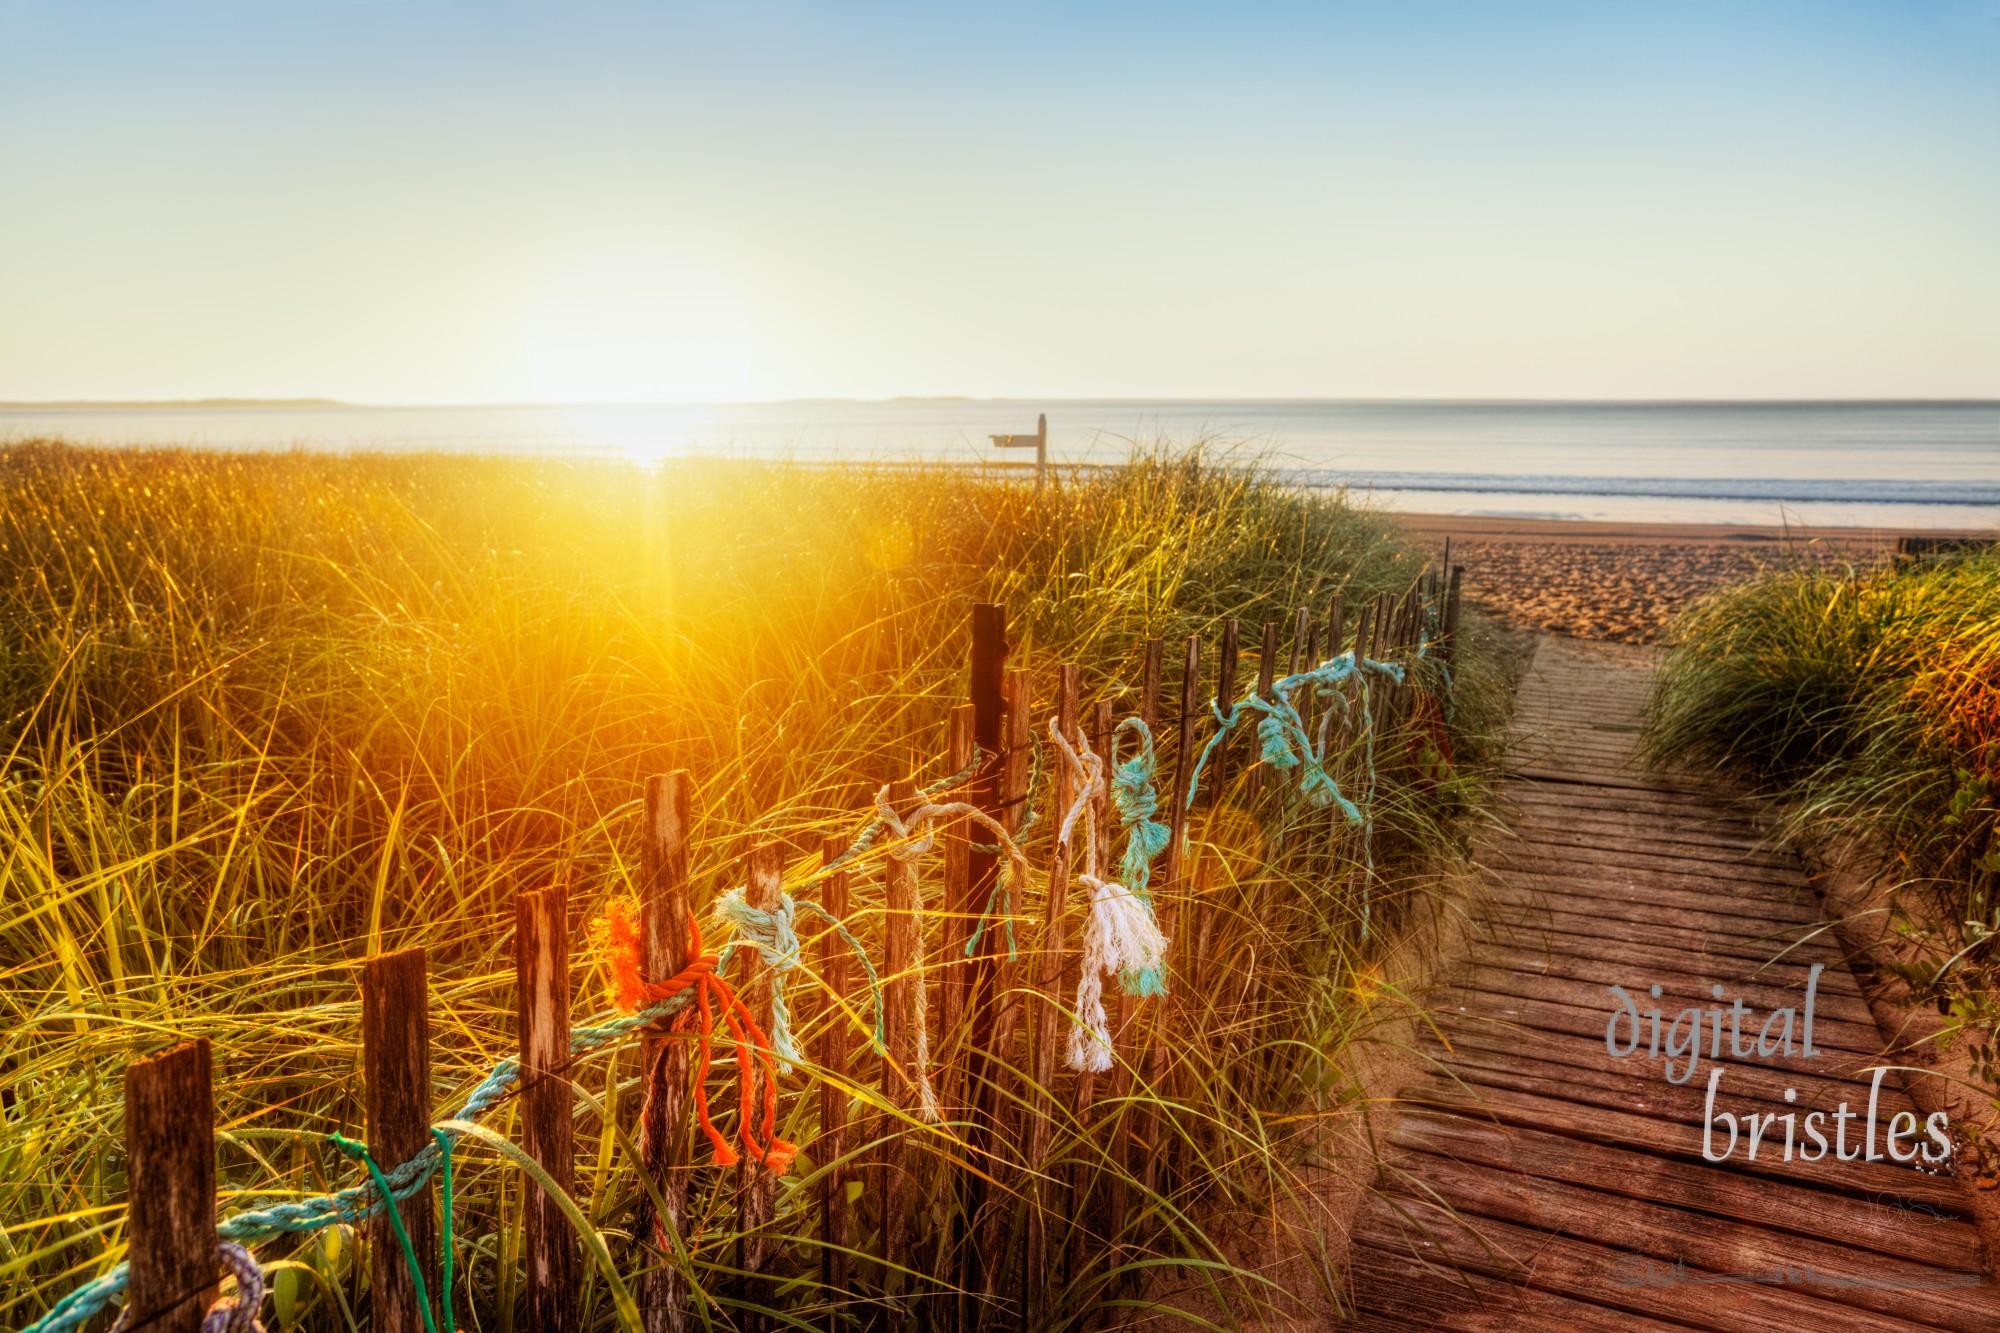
{"points": [[1869, 700], [265, 715]]}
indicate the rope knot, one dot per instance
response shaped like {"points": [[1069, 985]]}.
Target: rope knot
{"points": [[771, 934]]}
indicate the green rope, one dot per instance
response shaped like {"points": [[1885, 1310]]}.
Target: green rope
{"points": [[359, 1152], [444, 1202]]}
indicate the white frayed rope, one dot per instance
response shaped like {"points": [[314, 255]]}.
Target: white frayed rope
{"points": [[1121, 933]]}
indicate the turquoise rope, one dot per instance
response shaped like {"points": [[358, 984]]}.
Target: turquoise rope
{"points": [[359, 1152], [444, 1205], [1286, 745], [986, 918]]}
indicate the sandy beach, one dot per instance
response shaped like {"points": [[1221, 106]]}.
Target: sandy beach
{"points": [[1623, 581]]}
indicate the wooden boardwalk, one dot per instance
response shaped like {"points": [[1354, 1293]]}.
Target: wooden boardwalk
{"points": [[1540, 1183]]}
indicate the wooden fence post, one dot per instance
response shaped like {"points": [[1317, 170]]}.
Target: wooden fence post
{"points": [[541, 970], [1184, 757], [1218, 788], [1267, 672], [170, 1155], [1336, 629], [1225, 698], [831, 1056], [1124, 1148], [1451, 617], [756, 1183], [665, 1300], [993, 1125], [396, 1060], [902, 989], [1049, 957], [989, 661]]}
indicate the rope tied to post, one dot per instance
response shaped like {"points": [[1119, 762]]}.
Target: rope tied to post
{"points": [[1121, 934], [702, 978], [231, 1314], [917, 834]]}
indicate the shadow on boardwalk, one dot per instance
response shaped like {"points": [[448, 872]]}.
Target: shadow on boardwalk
{"points": [[1539, 1182]]}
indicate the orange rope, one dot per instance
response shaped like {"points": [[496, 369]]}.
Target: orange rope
{"points": [[753, 1049]]}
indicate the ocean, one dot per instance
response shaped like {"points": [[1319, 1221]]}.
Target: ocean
{"points": [[1817, 464]]}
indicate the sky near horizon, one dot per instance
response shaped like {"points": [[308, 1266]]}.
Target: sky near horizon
{"points": [[443, 202]]}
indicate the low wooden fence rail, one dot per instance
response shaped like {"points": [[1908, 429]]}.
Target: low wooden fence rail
{"points": [[1028, 1167]]}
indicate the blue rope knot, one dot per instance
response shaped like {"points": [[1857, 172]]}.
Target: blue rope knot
{"points": [[1136, 800], [777, 944], [774, 935]]}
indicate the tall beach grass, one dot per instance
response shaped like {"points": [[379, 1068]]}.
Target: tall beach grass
{"points": [[266, 715]]}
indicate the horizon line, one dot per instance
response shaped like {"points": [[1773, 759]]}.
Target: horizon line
{"points": [[242, 402]]}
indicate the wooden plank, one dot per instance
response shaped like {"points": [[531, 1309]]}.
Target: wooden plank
{"points": [[1714, 1244], [1534, 811], [1546, 773], [1527, 910], [1401, 1293], [1829, 1031], [1716, 914], [1766, 989], [541, 974], [1588, 1019], [1696, 805], [664, 1297], [1850, 1220], [1633, 836], [1649, 1133], [1562, 1066], [1579, 856], [170, 1210], [1596, 1274], [1782, 904], [396, 1065]]}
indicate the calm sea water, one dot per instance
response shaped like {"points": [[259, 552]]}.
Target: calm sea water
{"points": [[1933, 465]]}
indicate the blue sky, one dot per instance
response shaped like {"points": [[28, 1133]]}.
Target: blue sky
{"points": [[451, 202]]}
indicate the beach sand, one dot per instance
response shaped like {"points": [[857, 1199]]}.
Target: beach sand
{"points": [[1621, 581]]}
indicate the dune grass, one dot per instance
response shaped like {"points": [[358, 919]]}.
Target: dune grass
{"points": [[265, 715], [1869, 700]]}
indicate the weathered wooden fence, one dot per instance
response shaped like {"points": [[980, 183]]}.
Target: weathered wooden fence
{"points": [[1031, 1166]]}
